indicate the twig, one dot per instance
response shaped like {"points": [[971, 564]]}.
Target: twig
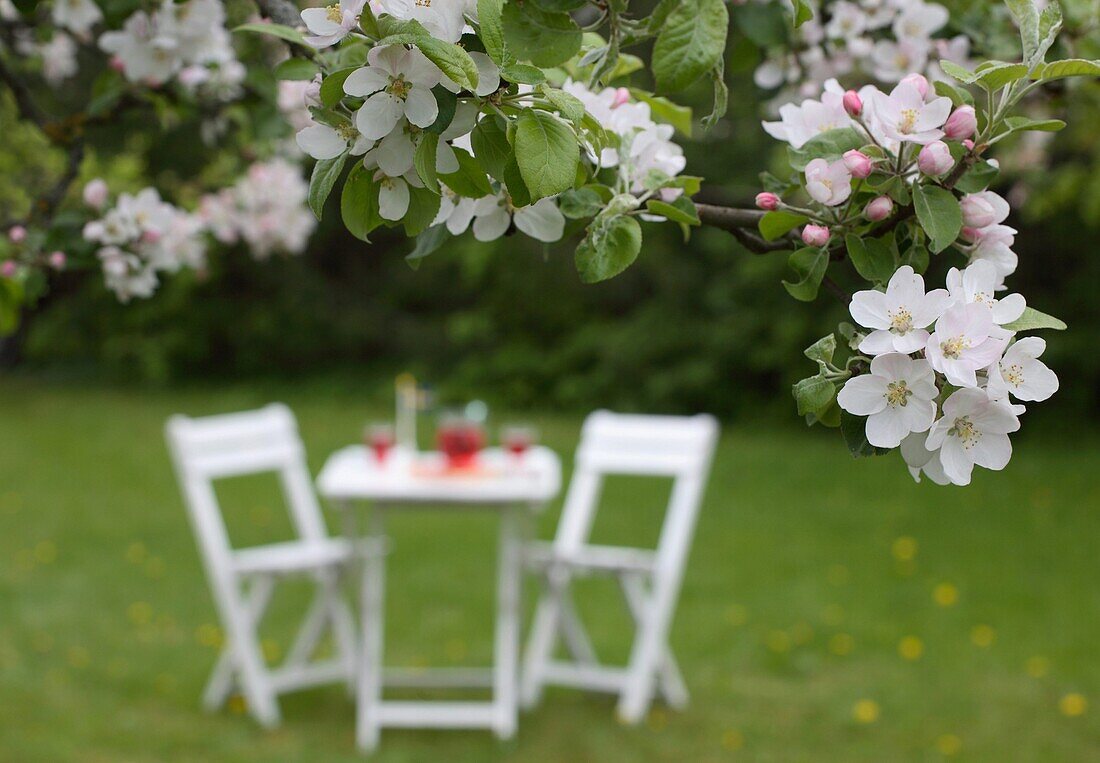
{"points": [[46, 206]]}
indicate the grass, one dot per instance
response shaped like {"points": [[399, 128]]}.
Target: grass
{"points": [[811, 574]]}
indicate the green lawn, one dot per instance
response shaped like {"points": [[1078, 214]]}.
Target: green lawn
{"points": [[811, 574]]}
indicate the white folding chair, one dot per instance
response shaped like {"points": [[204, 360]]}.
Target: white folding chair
{"points": [[671, 446], [242, 580]]}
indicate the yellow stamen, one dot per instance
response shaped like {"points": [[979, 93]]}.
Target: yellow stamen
{"points": [[898, 393]]}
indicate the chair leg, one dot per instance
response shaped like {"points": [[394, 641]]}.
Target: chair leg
{"points": [[372, 624], [650, 651], [312, 629], [540, 647], [572, 631], [223, 678], [671, 684], [343, 628], [247, 658]]}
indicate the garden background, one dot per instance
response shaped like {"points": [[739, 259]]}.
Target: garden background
{"points": [[833, 610]]}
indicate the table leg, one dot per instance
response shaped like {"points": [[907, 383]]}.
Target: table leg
{"points": [[506, 651], [373, 607]]}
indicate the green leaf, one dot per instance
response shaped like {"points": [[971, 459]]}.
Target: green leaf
{"points": [[690, 43], [296, 69], [764, 24], [1026, 15], [523, 74], [721, 95], [514, 184], [453, 60], [872, 258], [1070, 67], [359, 203], [580, 203], [829, 145], [776, 224], [562, 6], [490, 143], [332, 88], [977, 178], [1000, 74], [276, 30], [939, 214], [1019, 124], [424, 161], [426, 243], [611, 246], [1033, 319], [1050, 23], [12, 297], [809, 264], [956, 72], [958, 96], [854, 429], [547, 153], [681, 211], [803, 12], [813, 394], [545, 39], [664, 110], [822, 350], [569, 106], [492, 29], [325, 174], [423, 207], [469, 180]]}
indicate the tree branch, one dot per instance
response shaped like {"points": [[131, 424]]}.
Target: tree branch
{"points": [[729, 218]]}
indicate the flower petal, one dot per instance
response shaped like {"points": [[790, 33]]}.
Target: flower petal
{"points": [[542, 220], [369, 79], [378, 115], [863, 395], [393, 199], [421, 107], [321, 142]]}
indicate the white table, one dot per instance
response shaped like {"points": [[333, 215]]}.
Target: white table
{"points": [[504, 484]]}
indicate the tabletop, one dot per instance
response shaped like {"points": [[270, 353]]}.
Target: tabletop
{"points": [[497, 478]]}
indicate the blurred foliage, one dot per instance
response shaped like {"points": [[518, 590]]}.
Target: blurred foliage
{"points": [[696, 325]]}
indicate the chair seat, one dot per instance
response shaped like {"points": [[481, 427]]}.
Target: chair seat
{"points": [[609, 559], [293, 556]]}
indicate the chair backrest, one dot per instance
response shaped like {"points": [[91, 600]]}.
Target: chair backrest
{"points": [[237, 444], [679, 447]]}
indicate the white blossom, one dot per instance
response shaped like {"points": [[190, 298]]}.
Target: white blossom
{"points": [[973, 431], [965, 340], [907, 118], [332, 23], [978, 283], [491, 216], [800, 123], [78, 16], [1021, 374], [899, 316], [828, 183], [896, 397], [397, 83]]}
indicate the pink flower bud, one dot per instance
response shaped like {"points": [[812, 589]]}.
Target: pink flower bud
{"points": [[815, 235], [919, 82], [95, 193], [977, 212], [17, 234], [151, 236], [311, 95], [58, 260], [853, 104], [858, 163], [968, 144], [117, 64], [879, 208], [767, 200], [961, 124], [622, 95], [7, 270], [935, 158], [972, 235]]}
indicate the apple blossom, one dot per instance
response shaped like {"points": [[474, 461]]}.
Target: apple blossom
{"points": [[491, 215], [919, 81], [57, 260], [853, 104], [973, 431], [965, 340], [800, 123], [1021, 374], [893, 60], [767, 201], [980, 210], [978, 284], [935, 158], [920, 460], [332, 23], [17, 234], [443, 18], [879, 208], [961, 124], [858, 163], [994, 245], [919, 20], [78, 16], [324, 142], [396, 83], [828, 183], [815, 235], [906, 117], [896, 397], [9, 268], [898, 316]]}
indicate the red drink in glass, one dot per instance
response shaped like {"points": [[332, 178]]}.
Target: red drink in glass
{"points": [[460, 442], [381, 439], [517, 439]]}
